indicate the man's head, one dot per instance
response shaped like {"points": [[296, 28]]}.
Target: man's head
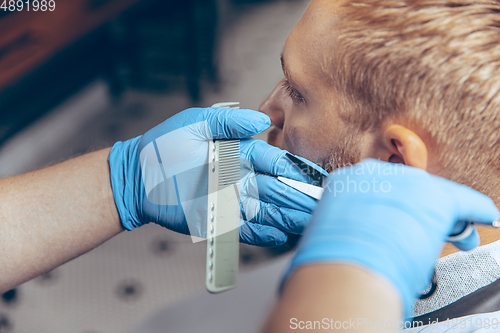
{"points": [[414, 82]]}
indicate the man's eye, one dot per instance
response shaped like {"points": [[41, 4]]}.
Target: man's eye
{"points": [[294, 94]]}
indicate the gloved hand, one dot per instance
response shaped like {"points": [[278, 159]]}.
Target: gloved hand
{"points": [[275, 205], [391, 219], [160, 176]]}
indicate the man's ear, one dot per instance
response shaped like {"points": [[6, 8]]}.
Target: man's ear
{"points": [[401, 145]]}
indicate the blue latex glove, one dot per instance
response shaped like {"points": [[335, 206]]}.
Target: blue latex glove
{"points": [[392, 220], [276, 204], [161, 177]]}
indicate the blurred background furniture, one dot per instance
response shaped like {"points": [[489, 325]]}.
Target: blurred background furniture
{"points": [[130, 66], [150, 44]]}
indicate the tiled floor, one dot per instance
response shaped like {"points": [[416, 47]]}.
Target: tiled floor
{"points": [[118, 285]]}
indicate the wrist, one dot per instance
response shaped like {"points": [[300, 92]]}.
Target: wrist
{"points": [[108, 197], [330, 293], [377, 249], [376, 260], [122, 160]]}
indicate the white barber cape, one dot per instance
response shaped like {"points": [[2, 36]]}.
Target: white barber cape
{"points": [[459, 275]]}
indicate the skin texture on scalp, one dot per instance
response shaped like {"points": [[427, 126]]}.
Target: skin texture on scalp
{"points": [[432, 65]]}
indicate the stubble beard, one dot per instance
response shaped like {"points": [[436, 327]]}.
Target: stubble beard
{"points": [[346, 153]]}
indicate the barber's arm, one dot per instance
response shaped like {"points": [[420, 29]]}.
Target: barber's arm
{"points": [[50, 216], [371, 248], [53, 215]]}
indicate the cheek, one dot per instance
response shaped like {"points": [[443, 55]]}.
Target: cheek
{"points": [[312, 135], [301, 138]]}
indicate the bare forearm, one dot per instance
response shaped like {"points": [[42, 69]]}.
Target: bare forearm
{"points": [[340, 295], [53, 215]]}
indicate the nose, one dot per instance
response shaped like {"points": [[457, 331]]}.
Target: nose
{"points": [[275, 105]]}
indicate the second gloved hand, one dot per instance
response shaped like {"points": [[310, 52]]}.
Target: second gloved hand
{"points": [[392, 220]]}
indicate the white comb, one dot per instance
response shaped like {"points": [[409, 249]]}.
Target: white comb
{"points": [[223, 218]]}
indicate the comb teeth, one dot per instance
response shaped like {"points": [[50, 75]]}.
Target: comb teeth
{"points": [[229, 162], [223, 218]]}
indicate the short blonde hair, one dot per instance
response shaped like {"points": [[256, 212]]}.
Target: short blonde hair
{"points": [[434, 64]]}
